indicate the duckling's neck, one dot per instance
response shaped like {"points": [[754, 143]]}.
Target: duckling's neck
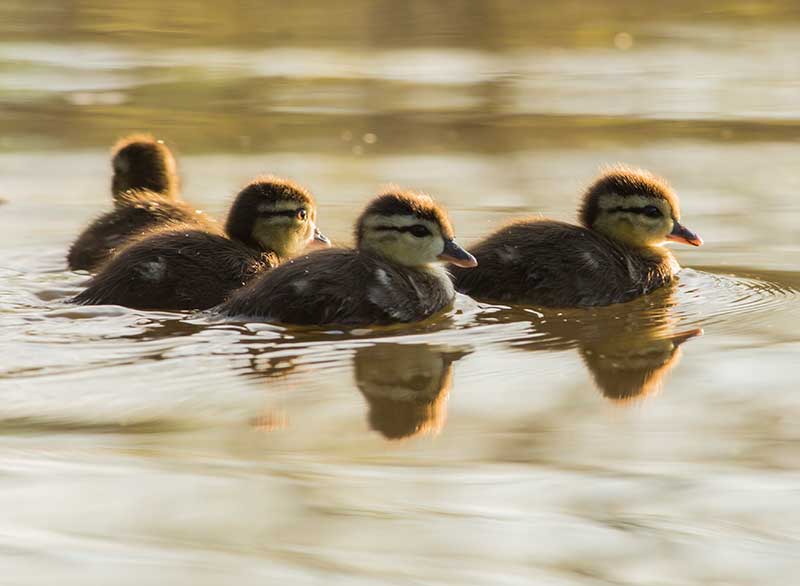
{"points": [[661, 257], [654, 253], [649, 266], [434, 269], [440, 273]]}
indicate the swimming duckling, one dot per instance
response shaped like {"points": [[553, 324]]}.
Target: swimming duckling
{"points": [[145, 190], [181, 268], [392, 276], [615, 256]]}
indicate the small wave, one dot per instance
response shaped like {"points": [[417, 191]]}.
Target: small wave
{"points": [[710, 297]]}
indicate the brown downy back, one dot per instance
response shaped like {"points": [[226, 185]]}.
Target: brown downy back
{"points": [[143, 163]]}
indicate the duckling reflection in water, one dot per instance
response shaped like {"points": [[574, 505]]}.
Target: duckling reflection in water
{"points": [[145, 189], [625, 369], [628, 353], [615, 256], [186, 267], [394, 274], [406, 387]]}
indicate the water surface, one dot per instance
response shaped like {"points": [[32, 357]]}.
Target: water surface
{"points": [[649, 443]]}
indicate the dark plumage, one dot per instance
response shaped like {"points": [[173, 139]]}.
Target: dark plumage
{"points": [[182, 268], [615, 257], [391, 277], [340, 286], [549, 263], [145, 191], [142, 162], [176, 269], [135, 213]]}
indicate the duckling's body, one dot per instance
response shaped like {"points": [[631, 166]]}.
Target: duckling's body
{"points": [[391, 277], [555, 264], [315, 290], [145, 189], [135, 213], [614, 257], [176, 268], [183, 268]]}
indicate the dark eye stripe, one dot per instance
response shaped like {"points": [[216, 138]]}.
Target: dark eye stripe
{"points": [[396, 228], [640, 210], [287, 213]]}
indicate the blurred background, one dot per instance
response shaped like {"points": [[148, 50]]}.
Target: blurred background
{"points": [[654, 443]]}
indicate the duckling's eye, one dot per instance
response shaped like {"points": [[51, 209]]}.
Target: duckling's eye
{"points": [[419, 231], [302, 214], [651, 211]]}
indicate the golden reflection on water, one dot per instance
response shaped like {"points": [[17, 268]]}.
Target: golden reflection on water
{"points": [[628, 349], [405, 386], [636, 367]]}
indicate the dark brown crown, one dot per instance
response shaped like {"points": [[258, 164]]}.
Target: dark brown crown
{"points": [[622, 180], [142, 162], [244, 210], [405, 203]]}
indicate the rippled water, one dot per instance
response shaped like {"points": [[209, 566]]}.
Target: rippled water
{"points": [[650, 443]]}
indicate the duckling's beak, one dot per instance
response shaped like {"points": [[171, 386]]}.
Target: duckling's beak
{"points": [[456, 255], [683, 234], [320, 237]]}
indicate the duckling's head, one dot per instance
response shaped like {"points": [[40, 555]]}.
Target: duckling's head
{"points": [[636, 208], [411, 230], [144, 163], [274, 215]]}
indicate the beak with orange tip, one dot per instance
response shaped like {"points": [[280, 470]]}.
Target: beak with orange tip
{"points": [[681, 233], [456, 255]]}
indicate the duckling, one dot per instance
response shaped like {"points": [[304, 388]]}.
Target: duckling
{"points": [[391, 276], [615, 255], [145, 190], [186, 267]]}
